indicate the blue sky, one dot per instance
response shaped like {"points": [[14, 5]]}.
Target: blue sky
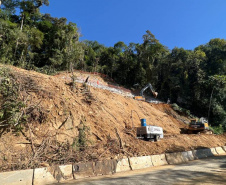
{"points": [[175, 23]]}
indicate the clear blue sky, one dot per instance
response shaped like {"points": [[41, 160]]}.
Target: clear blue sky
{"points": [[175, 23]]}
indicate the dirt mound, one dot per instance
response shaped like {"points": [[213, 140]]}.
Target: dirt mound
{"points": [[87, 124]]}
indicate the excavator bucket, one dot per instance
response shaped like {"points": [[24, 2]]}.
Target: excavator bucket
{"points": [[142, 91], [155, 94]]}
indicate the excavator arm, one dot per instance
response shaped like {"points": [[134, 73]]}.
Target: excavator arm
{"points": [[142, 92], [151, 88]]}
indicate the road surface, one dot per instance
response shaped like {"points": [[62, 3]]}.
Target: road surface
{"points": [[205, 171]]}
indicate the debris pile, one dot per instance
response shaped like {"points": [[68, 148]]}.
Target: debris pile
{"points": [[89, 123]]}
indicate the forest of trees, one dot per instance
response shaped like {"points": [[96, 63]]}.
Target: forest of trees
{"points": [[194, 79]]}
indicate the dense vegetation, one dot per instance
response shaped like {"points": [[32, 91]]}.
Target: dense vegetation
{"points": [[194, 79]]}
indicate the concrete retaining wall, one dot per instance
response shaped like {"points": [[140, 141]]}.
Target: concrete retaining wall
{"points": [[89, 169], [140, 162], [106, 167], [213, 150], [224, 147], [220, 150], [175, 158], [44, 176], [83, 170], [179, 157], [187, 156], [159, 160], [203, 153], [123, 165], [22, 177], [56, 174], [66, 172]]}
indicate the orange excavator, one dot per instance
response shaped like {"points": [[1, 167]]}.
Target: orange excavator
{"points": [[141, 97], [199, 126]]}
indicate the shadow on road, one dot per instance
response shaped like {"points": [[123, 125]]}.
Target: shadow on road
{"points": [[197, 172]]}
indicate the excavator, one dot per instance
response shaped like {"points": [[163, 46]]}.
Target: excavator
{"points": [[141, 97], [199, 126]]}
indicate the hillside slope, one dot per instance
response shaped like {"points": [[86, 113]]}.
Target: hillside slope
{"points": [[87, 124]]}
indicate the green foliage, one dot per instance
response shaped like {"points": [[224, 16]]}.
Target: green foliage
{"points": [[11, 112], [49, 70], [31, 39], [217, 129], [83, 139], [193, 79], [181, 110]]}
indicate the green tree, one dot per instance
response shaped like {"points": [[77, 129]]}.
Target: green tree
{"points": [[151, 53]]}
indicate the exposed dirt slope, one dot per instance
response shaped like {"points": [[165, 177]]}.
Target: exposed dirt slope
{"points": [[57, 114]]}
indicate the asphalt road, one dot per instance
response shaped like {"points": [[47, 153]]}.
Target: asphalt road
{"points": [[205, 171]]}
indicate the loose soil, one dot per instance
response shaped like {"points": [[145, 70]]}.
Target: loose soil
{"points": [[59, 117]]}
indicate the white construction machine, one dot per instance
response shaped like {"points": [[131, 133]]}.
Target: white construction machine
{"points": [[149, 132]]}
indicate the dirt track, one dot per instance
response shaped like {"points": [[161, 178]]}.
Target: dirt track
{"points": [[56, 121]]}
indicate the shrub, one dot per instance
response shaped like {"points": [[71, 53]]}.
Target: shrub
{"points": [[82, 140], [11, 107], [181, 110], [217, 129]]}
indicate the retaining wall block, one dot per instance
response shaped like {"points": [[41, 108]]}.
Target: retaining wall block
{"points": [[220, 150], [123, 165], [213, 150], [140, 162], [224, 147], [83, 170], [202, 153], [159, 160], [56, 174], [175, 158], [44, 176], [66, 171], [210, 152], [105, 167], [187, 156], [22, 177]]}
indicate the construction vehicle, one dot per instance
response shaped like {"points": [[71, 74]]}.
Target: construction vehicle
{"points": [[198, 126], [148, 132], [141, 97]]}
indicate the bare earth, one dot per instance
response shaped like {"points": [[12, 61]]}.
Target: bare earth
{"points": [[55, 120]]}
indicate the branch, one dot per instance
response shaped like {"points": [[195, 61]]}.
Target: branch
{"points": [[119, 138]]}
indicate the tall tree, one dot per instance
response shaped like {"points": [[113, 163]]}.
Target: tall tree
{"points": [[150, 52]]}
